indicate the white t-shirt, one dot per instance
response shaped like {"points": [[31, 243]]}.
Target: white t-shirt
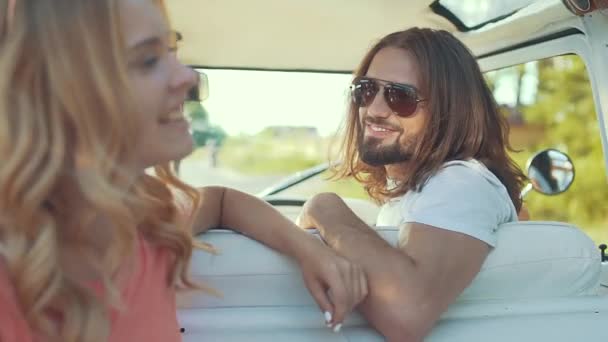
{"points": [[463, 196]]}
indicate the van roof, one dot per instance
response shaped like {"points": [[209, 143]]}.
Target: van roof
{"points": [[333, 35]]}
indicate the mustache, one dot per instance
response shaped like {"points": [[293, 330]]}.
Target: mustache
{"points": [[380, 122]]}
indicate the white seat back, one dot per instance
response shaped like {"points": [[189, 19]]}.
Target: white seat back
{"points": [[262, 288]]}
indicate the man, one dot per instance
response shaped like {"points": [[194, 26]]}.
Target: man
{"points": [[425, 138]]}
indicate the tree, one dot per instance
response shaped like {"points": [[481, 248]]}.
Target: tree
{"points": [[202, 129], [564, 106]]}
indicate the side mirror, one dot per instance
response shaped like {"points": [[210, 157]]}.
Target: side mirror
{"points": [[550, 171]]}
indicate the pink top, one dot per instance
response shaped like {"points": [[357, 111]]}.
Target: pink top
{"points": [[150, 309]]}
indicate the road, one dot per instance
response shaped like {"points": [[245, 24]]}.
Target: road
{"points": [[199, 173]]}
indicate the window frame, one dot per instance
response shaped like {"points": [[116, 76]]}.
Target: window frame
{"points": [[578, 44]]}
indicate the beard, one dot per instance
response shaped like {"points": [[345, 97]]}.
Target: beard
{"points": [[373, 152]]}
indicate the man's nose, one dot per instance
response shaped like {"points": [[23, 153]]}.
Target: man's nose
{"points": [[379, 107]]}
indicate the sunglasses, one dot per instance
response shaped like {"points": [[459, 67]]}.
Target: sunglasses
{"points": [[402, 99]]}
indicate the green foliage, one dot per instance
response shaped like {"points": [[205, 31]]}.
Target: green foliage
{"points": [[347, 188], [215, 133], [202, 130], [196, 111], [564, 107], [265, 154]]}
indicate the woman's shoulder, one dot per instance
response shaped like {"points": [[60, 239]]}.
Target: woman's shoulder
{"points": [[13, 326]]}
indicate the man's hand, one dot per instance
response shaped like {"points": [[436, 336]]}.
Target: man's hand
{"points": [[336, 284], [306, 219], [326, 208]]}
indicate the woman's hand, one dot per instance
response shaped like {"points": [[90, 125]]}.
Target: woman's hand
{"points": [[336, 284]]}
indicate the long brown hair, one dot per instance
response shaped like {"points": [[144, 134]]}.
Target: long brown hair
{"points": [[464, 120], [67, 126]]}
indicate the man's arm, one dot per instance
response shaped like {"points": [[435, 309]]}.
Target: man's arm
{"points": [[410, 286]]}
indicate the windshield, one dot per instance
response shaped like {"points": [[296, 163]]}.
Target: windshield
{"points": [[258, 128]]}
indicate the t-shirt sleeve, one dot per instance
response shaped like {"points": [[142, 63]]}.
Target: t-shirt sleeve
{"points": [[460, 199], [13, 326]]}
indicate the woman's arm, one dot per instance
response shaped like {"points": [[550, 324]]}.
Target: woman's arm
{"points": [[223, 207], [337, 284]]}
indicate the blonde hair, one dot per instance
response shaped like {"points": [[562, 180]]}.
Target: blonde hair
{"points": [[67, 129], [6, 14]]}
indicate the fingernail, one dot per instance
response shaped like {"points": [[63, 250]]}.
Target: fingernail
{"points": [[338, 327], [327, 316]]}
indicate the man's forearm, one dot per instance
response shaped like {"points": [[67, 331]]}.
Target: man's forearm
{"points": [[410, 286], [348, 235], [352, 238], [390, 273]]}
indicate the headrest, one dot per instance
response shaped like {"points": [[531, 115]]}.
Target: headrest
{"points": [[535, 259]]}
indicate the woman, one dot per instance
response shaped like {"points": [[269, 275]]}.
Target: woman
{"points": [[92, 247]]}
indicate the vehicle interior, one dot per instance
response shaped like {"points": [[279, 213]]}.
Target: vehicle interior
{"points": [[545, 61]]}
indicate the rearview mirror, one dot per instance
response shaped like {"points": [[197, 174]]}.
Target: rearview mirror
{"points": [[200, 92], [551, 172]]}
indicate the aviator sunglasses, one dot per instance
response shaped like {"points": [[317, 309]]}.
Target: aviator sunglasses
{"points": [[402, 99]]}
